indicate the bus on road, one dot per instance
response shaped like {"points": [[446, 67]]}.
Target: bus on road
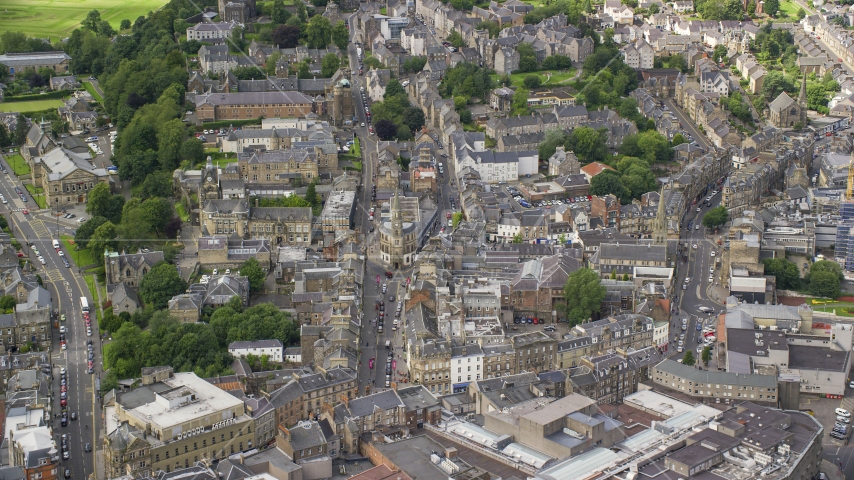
{"points": [[84, 304]]}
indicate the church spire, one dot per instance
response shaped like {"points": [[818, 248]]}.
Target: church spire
{"points": [[802, 97], [659, 226], [396, 221]]}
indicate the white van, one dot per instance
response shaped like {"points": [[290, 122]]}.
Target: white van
{"points": [[56, 244]]}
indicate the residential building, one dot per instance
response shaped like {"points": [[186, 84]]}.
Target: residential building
{"points": [[29, 444], [715, 386], [273, 349], [338, 211], [621, 331], [210, 31]]}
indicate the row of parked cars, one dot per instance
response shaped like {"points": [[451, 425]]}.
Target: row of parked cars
{"points": [[841, 428]]}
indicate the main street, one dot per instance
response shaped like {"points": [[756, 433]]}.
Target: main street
{"points": [[38, 228]]}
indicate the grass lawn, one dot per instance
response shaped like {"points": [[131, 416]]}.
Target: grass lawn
{"points": [[93, 92], [57, 18], [182, 213], [81, 257], [356, 150], [547, 77], [96, 299], [30, 106], [37, 194], [18, 164], [790, 8], [829, 306]]}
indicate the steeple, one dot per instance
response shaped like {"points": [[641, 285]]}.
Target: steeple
{"points": [[659, 225], [802, 97], [396, 221]]}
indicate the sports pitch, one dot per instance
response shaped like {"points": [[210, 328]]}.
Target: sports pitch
{"points": [[58, 18]]}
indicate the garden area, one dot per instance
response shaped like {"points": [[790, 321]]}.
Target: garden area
{"points": [[82, 257], [38, 195], [18, 164]]}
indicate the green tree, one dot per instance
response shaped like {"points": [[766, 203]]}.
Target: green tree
{"points": [[583, 294], [256, 275], [827, 266], [456, 39], [102, 203], [329, 65], [720, 53], [588, 144], [466, 117], [553, 138], [772, 7], [801, 13], [393, 88], [311, 194], [707, 355], [249, 73], [716, 217], [193, 150], [786, 272], [413, 117], [733, 10], [678, 139], [318, 32], [517, 238], [456, 218], [125, 24], [7, 303], [531, 81], [159, 285], [824, 284], [492, 27], [157, 212], [688, 359], [414, 64], [279, 14], [519, 104], [341, 35], [158, 184], [93, 18], [608, 182], [103, 238], [527, 57], [85, 231]]}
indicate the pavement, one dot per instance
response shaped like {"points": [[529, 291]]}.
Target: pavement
{"points": [[39, 228]]}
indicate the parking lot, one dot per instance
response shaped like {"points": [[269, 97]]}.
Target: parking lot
{"points": [[824, 410]]}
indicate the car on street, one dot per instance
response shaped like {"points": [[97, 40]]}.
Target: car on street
{"points": [[25, 211], [67, 473], [842, 412], [694, 247]]}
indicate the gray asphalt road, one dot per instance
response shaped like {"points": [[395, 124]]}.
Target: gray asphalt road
{"points": [[66, 288]]}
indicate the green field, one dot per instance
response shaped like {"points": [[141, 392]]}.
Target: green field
{"points": [[91, 89], [58, 18], [547, 77], [790, 8], [82, 258], [31, 106], [18, 164]]}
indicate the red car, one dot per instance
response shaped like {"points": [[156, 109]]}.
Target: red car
{"points": [[63, 388], [63, 403], [25, 211], [20, 254], [389, 274], [448, 215]]}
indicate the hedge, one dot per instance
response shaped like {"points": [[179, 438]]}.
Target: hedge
{"points": [[229, 123], [38, 96]]}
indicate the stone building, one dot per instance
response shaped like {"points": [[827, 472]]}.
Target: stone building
{"points": [[786, 112], [535, 352], [129, 268], [223, 252], [278, 225], [65, 176], [563, 163], [398, 239]]}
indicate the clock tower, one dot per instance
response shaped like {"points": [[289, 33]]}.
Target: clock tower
{"points": [[209, 189]]}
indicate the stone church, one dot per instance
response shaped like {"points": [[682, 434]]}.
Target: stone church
{"points": [[786, 112]]}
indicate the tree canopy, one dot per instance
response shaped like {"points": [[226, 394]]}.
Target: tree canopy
{"points": [[583, 294], [786, 272], [159, 285], [716, 217]]}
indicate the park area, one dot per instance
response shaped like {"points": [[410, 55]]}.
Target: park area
{"points": [[30, 106], [548, 78], [58, 18]]}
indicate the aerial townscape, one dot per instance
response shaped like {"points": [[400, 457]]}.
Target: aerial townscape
{"points": [[426, 239]]}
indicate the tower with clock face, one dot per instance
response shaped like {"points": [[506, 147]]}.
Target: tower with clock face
{"points": [[209, 189]]}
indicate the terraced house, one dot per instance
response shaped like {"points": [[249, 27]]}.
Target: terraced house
{"points": [[244, 106]]}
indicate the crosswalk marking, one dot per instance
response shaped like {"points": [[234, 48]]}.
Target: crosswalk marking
{"points": [[40, 229], [54, 275]]}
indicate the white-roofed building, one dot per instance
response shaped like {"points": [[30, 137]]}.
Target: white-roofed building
{"points": [[210, 31], [65, 176], [272, 348]]}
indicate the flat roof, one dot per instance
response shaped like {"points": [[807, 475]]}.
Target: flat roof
{"points": [[817, 358], [580, 466], [657, 403], [206, 404]]}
